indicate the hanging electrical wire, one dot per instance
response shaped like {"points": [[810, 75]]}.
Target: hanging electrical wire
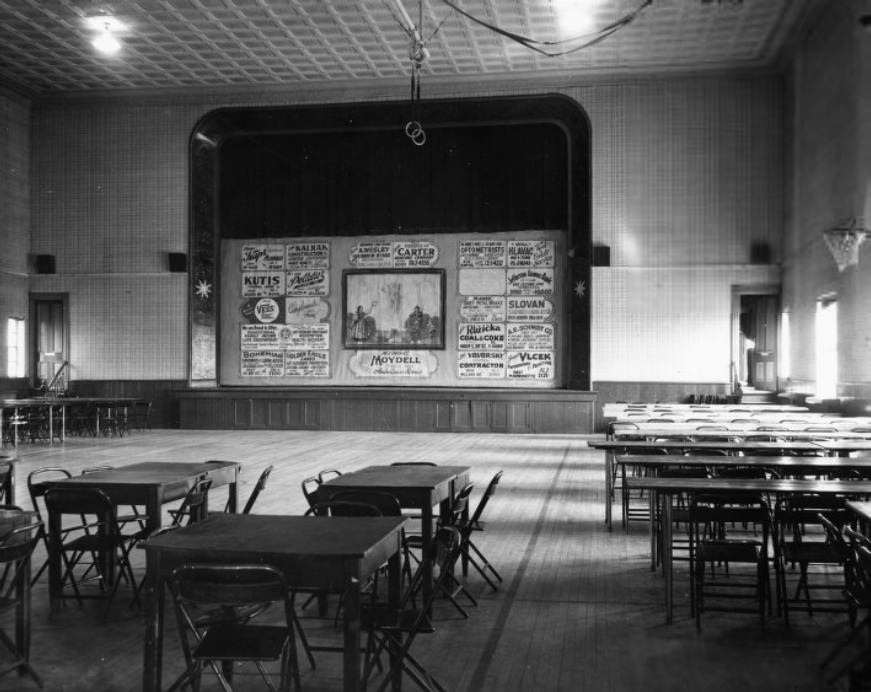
{"points": [[419, 54], [586, 40]]}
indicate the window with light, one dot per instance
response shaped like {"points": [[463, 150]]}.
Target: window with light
{"points": [[15, 347]]}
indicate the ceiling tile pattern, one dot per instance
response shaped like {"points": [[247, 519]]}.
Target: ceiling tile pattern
{"points": [[177, 44]]}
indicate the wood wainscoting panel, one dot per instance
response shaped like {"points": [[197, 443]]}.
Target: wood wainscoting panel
{"points": [[385, 409]]}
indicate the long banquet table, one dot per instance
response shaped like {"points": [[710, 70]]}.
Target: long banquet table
{"points": [[734, 431], [337, 554], [613, 447], [62, 403], [664, 488], [788, 466]]}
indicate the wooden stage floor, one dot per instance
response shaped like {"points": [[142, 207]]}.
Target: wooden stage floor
{"points": [[579, 608]]}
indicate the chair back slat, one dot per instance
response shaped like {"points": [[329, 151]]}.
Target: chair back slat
{"points": [[309, 490], [345, 508], [387, 504], [258, 488], [485, 498], [232, 585]]}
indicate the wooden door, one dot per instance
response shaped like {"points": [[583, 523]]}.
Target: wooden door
{"points": [[763, 314], [50, 342]]}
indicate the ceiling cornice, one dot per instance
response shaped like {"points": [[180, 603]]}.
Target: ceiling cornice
{"points": [[397, 88]]}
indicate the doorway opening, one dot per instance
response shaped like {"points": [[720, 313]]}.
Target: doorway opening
{"points": [[755, 335], [826, 339], [49, 343]]}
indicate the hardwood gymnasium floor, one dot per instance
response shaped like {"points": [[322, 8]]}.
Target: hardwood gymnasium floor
{"points": [[579, 609]]}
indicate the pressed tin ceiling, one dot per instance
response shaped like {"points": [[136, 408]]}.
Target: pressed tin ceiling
{"points": [[45, 47]]}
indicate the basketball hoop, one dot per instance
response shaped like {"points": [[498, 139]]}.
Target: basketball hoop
{"points": [[844, 242]]}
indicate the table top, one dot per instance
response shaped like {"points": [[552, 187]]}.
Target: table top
{"points": [[771, 485], [856, 445], [720, 460], [150, 473], [402, 476], [262, 535], [66, 401], [611, 409], [682, 424], [735, 431]]}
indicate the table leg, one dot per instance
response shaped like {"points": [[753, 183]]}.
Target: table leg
{"points": [[394, 587], [54, 560], [153, 512], [652, 501], [609, 488], [624, 498], [153, 616], [426, 535], [234, 492], [667, 519], [23, 613], [9, 486], [351, 653]]}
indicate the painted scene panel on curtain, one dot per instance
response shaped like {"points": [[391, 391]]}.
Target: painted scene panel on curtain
{"points": [[401, 309]]}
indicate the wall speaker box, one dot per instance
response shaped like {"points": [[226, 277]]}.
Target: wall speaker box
{"points": [[178, 262], [760, 253], [45, 264], [601, 256]]}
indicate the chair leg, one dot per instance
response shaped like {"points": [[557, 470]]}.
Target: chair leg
{"points": [[301, 632], [407, 664], [485, 564], [21, 665], [840, 646]]}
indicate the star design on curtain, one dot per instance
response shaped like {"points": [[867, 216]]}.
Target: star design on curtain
{"points": [[580, 289], [204, 289]]}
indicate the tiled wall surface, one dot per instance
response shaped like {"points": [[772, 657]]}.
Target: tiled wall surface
{"points": [[125, 327], [686, 172], [14, 212], [666, 324]]}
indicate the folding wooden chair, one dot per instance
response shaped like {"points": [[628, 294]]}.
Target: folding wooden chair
{"points": [[396, 628], [193, 506], [259, 487], [36, 488], [451, 587], [728, 589], [327, 474], [16, 548], [221, 642], [803, 540], [471, 554], [309, 490], [97, 535]]}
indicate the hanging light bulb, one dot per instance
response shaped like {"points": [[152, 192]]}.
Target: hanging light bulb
{"points": [[575, 17], [106, 28], [106, 43]]}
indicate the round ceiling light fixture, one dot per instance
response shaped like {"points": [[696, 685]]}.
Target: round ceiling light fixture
{"points": [[106, 28]]}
